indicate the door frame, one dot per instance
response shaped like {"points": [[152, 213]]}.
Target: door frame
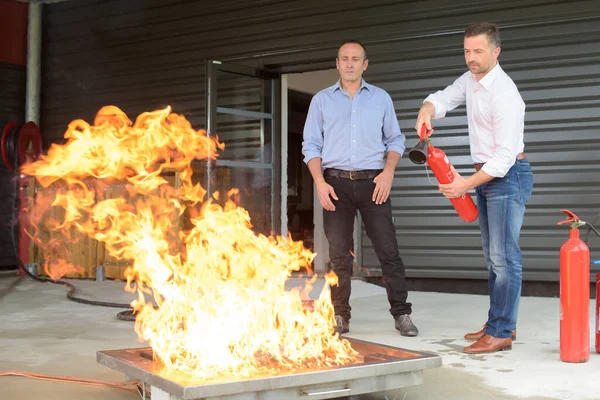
{"points": [[212, 109]]}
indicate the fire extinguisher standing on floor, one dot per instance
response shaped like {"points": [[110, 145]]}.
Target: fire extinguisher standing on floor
{"points": [[442, 169], [597, 310], [574, 295]]}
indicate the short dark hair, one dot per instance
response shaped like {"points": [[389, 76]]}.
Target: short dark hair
{"points": [[491, 30], [354, 42]]}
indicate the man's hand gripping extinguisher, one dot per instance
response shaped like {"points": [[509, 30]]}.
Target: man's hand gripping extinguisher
{"points": [[574, 295], [442, 169]]}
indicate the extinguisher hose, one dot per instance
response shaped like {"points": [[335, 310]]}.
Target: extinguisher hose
{"points": [[72, 289], [590, 227], [428, 178]]}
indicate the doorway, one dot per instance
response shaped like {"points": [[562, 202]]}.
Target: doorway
{"points": [[304, 212], [243, 111], [260, 115]]}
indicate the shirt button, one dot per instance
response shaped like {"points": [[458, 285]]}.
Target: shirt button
{"points": [[353, 141], [353, 110], [354, 126]]}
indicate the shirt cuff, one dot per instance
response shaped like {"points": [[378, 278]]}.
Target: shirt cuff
{"points": [[397, 148], [493, 169], [440, 112], [309, 155]]}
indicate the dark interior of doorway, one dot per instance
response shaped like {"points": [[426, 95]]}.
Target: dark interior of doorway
{"points": [[300, 188]]}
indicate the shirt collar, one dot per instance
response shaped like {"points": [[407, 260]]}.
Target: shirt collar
{"points": [[490, 77], [364, 84]]}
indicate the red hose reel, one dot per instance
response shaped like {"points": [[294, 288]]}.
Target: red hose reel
{"points": [[24, 142], [21, 145]]}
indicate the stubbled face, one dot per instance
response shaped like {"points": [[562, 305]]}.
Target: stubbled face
{"points": [[481, 56], [351, 62]]}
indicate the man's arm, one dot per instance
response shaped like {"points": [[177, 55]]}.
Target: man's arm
{"points": [[460, 185], [312, 147], [393, 158], [426, 114], [314, 166], [324, 190], [393, 139], [478, 178], [508, 112], [436, 105]]}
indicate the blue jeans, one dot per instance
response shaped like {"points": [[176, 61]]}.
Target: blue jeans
{"points": [[501, 204]]}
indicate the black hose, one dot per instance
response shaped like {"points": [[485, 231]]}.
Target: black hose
{"points": [[72, 289], [590, 227], [126, 315]]}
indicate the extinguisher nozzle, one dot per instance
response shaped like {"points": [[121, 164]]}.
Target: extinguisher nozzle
{"points": [[418, 154]]}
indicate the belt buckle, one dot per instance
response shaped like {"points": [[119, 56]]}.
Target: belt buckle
{"points": [[350, 176]]}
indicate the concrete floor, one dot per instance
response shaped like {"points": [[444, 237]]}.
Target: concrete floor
{"points": [[42, 331]]}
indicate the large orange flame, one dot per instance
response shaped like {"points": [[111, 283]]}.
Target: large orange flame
{"points": [[211, 299]]}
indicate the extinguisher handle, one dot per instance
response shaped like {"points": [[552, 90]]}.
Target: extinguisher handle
{"points": [[571, 217], [423, 134]]}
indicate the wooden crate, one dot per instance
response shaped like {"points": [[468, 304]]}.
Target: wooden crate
{"points": [[83, 252], [50, 246]]}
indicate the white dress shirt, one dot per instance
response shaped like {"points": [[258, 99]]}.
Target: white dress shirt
{"points": [[495, 114]]}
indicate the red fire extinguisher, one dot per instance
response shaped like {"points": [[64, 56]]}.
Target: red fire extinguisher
{"points": [[442, 169], [574, 295], [598, 311]]}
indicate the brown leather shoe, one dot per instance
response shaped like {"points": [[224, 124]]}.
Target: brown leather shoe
{"points": [[489, 344], [479, 334]]}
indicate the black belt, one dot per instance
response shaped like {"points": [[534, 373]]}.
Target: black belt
{"points": [[352, 175]]}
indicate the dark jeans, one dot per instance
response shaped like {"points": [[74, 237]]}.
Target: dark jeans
{"points": [[356, 195]]}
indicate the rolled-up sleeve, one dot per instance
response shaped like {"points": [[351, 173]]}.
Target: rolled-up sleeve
{"points": [[312, 144], [449, 98], [508, 125], [393, 139]]}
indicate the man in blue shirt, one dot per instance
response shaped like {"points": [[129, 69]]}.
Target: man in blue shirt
{"points": [[350, 128]]}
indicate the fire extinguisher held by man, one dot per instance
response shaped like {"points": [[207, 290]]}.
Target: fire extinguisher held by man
{"points": [[442, 169], [503, 180]]}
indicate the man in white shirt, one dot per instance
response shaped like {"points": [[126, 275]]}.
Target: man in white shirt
{"points": [[503, 180]]}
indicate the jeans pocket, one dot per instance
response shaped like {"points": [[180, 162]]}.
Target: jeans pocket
{"points": [[525, 184]]}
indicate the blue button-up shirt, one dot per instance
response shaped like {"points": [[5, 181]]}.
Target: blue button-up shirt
{"points": [[351, 133]]}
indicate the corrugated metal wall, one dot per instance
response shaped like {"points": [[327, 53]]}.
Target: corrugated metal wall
{"points": [[12, 108], [142, 55]]}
